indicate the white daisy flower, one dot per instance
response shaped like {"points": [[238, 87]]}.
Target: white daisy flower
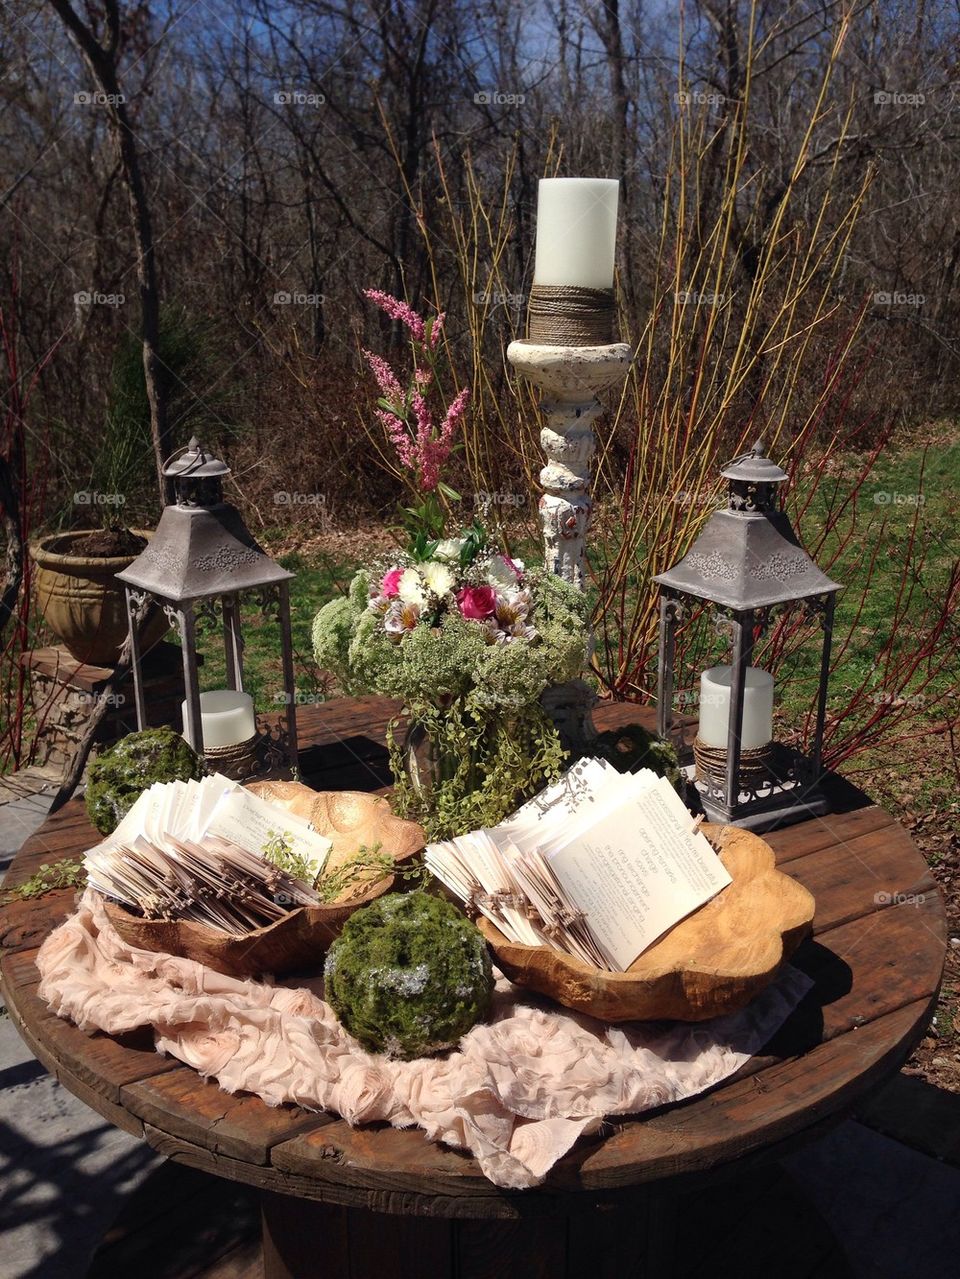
{"points": [[438, 578], [410, 587]]}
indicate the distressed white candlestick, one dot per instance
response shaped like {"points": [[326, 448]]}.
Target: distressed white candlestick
{"points": [[570, 377]]}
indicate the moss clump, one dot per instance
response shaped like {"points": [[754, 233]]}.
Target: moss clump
{"points": [[409, 975], [122, 773]]}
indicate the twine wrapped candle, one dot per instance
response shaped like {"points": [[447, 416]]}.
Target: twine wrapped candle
{"points": [[571, 302]]}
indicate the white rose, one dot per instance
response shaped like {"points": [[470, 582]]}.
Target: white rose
{"points": [[449, 549], [410, 587], [438, 578]]}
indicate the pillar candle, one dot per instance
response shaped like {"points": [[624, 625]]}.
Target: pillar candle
{"points": [[576, 232], [715, 697], [226, 717]]}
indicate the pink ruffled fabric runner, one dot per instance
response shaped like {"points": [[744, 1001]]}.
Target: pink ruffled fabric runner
{"points": [[517, 1094]]}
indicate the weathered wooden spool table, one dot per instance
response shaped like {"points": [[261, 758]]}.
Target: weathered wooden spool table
{"points": [[377, 1201]]}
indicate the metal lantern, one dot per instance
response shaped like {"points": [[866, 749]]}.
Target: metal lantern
{"points": [[198, 563], [748, 564]]}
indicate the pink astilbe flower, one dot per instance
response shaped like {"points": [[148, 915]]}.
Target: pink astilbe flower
{"points": [[397, 434], [429, 451], [398, 310], [452, 418], [421, 446], [390, 388]]}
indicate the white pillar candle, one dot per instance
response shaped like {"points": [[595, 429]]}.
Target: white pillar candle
{"points": [[226, 717], [715, 698], [576, 232]]}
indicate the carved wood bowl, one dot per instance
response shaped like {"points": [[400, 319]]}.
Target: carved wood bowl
{"points": [[712, 962], [301, 939]]}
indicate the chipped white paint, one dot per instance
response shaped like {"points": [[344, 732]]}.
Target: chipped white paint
{"points": [[571, 377]]}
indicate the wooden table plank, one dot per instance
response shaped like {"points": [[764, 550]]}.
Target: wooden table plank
{"points": [[827, 1080], [861, 875], [834, 829], [238, 1125], [100, 1063], [25, 922]]}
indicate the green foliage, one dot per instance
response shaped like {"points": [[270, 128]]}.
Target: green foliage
{"points": [[62, 874], [366, 866], [279, 850], [475, 767], [123, 461], [121, 774], [423, 524], [409, 976], [476, 703]]}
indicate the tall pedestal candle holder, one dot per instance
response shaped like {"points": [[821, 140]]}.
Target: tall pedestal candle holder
{"points": [[571, 378]]}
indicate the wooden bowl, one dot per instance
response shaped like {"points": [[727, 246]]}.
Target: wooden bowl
{"points": [[301, 938], [712, 962]]}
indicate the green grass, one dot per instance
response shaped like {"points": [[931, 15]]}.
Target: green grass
{"points": [[319, 577], [314, 583]]}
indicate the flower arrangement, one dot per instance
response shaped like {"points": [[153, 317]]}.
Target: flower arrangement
{"points": [[465, 635]]}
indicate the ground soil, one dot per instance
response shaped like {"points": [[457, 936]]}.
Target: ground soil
{"points": [[109, 543]]}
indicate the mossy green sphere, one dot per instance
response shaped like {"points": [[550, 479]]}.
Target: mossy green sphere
{"points": [[121, 774], [409, 976]]}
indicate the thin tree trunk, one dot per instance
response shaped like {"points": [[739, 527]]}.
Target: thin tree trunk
{"points": [[13, 533], [102, 61]]}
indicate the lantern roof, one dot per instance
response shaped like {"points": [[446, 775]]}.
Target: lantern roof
{"points": [[748, 556], [200, 551], [196, 462], [753, 468]]}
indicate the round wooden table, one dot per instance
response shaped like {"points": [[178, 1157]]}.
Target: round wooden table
{"points": [[339, 1200]]}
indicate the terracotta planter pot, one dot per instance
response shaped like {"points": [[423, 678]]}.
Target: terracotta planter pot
{"points": [[82, 602]]}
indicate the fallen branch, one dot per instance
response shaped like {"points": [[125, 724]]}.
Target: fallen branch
{"points": [[105, 698]]}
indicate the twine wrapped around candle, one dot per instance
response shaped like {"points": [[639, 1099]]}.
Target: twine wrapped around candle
{"points": [[567, 315], [238, 761], [756, 766]]}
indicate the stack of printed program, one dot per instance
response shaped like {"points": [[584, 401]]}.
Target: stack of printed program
{"points": [[599, 865], [196, 850]]}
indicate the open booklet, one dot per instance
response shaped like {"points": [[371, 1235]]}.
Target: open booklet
{"points": [[599, 865], [197, 850]]}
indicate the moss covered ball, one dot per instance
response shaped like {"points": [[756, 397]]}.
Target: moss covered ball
{"points": [[409, 976], [125, 770]]}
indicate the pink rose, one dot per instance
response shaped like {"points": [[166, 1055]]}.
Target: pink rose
{"points": [[477, 602], [390, 585]]}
